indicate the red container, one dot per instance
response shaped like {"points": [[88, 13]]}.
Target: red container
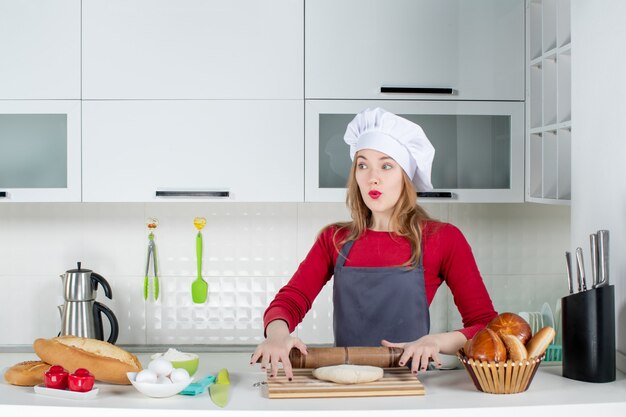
{"points": [[81, 380], [56, 377]]}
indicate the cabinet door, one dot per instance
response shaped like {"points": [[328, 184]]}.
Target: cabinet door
{"points": [[193, 49], [356, 47], [40, 49], [40, 150], [479, 148], [239, 150]]}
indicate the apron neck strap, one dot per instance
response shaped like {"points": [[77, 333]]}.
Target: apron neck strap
{"points": [[343, 254]]}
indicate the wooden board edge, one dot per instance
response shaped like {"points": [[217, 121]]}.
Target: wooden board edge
{"points": [[345, 394]]}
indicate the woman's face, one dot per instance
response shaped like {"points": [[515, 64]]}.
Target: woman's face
{"points": [[380, 180]]}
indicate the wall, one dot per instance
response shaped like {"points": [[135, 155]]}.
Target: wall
{"points": [[250, 251], [598, 139]]}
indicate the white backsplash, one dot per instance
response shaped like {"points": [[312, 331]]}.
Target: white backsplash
{"points": [[250, 251]]}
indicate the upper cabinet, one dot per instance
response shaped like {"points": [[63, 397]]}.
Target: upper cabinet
{"points": [[193, 150], [40, 150], [415, 49], [549, 102], [40, 49], [479, 147], [193, 49]]}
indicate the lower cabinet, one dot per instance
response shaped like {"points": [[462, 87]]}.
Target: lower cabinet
{"points": [[198, 150]]}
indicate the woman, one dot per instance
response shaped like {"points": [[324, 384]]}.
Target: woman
{"points": [[387, 262]]}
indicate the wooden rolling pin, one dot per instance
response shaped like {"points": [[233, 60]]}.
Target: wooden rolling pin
{"points": [[381, 357]]}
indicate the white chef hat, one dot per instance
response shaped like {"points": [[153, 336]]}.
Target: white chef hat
{"points": [[397, 137]]}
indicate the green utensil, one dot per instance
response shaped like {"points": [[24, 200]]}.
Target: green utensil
{"points": [[145, 288], [146, 280], [156, 271], [152, 224], [199, 287], [220, 390]]}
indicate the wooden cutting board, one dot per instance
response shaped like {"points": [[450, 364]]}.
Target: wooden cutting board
{"points": [[395, 382]]}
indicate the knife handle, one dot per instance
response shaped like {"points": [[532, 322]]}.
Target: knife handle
{"points": [[382, 357], [593, 242], [603, 258], [580, 270], [568, 263]]}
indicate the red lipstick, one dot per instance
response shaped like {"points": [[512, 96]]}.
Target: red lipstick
{"points": [[374, 194]]}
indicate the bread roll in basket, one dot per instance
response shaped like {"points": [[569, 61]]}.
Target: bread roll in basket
{"points": [[498, 358], [508, 377]]}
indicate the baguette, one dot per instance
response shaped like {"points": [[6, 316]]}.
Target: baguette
{"points": [[107, 362], [26, 374]]}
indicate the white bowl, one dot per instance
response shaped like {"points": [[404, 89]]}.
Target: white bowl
{"points": [[157, 390]]}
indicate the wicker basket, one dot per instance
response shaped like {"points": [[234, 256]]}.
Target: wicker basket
{"points": [[500, 378]]}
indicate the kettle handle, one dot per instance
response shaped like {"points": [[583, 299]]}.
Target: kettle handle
{"points": [[101, 308], [97, 278]]}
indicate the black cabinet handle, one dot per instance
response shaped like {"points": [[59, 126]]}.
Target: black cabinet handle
{"points": [[417, 90], [206, 194], [3, 194], [434, 194]]}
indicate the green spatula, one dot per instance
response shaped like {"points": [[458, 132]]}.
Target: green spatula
{"points": [[199, 287]]}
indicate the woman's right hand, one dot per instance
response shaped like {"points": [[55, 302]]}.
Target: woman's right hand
{"points": [[276, 347]]}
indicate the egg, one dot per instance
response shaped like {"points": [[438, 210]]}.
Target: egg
{"points": [[161, 367], [146, 376], [163, 380], [179, 375]]}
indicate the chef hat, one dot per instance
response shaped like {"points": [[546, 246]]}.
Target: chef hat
{"points": [[397, 137]]}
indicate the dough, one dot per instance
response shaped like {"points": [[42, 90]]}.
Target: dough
{"points": [[348, 374]]}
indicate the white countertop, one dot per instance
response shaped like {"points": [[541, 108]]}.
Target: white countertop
{"points": [[448, 393]]}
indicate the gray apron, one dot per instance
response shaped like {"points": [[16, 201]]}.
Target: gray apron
{"points": [[371, 304]]}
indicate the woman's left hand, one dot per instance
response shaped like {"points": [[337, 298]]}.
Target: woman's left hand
{"points": [[419, 351]]}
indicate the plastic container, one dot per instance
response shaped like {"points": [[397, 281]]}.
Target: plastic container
{"points": [[554, 353]]}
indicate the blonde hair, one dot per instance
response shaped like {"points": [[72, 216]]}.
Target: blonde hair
{"points": [[406, 218]]}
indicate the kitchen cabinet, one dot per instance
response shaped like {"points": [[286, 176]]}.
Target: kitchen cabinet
{"points": [[184, 150], [549, 102], [40, 49], [354, 48], [196, 49], [479, 147], [40, 148]]}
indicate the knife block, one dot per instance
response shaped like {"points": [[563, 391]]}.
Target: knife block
{"points": [[588, 325]]}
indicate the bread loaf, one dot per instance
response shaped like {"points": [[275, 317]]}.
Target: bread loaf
{"points": [[486, 345], [26, 374], [515, 349], [540, 341], [107, 362], [511, 323]]}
